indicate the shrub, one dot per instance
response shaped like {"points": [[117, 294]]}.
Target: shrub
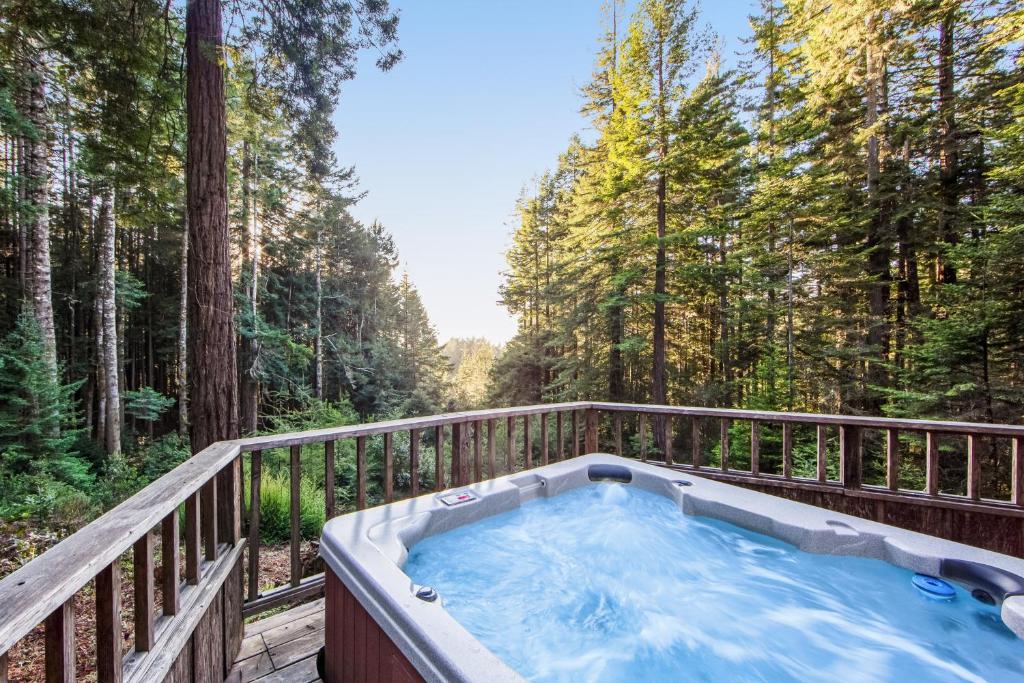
{"points": [[275, 508]]}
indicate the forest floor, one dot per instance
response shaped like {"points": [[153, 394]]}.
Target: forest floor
{"points": [[27, 659]]}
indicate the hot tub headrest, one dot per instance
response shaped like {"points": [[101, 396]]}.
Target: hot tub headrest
{"points": [[610, 473], [998, 583]]}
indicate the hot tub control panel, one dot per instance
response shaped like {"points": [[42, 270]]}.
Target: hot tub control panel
{"points": [[457, 498]]}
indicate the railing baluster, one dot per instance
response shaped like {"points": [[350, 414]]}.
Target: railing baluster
{"points": [[591, 419], [295, 534], [642, 428], [543, 438], [787, 450], [822, 468], [208, 502], [458, 438], [575, 433], [973, 468], [255, 485], [329, 502], [414, 462], [850, 456], [723, 439], [142, 563], [439, 457], [492, 447], [755, 448], [617, 428], [389, 469], [60, 645], [170, 558], [108, 624], [510, 433], [669, 433], [527, 443], [560, 437], [695, 441], [892, 459], [193, 554], [931, 464], [360, 472], [1017, 470], [3, 668], [229, 518], [478, 460]]}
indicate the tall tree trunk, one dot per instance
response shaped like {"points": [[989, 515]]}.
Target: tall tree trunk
{"points": [[948, 156], [318, 342], [182, 371], [250, 388], [658, 381], [213, 386], [878, 238], [36, 194], [107, 309]]}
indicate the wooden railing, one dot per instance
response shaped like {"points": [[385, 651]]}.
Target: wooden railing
{"points": [[221, 581]]}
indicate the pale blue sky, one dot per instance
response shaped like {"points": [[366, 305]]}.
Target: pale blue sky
{"points": [[484, 101]]}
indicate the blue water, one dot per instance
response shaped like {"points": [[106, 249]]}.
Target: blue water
{"points": [[612, 583]]}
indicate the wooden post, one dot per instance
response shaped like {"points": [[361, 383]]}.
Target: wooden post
{"points": [[1017, 471], [695, 442], [617, 428], [255, 482], [755, 448], [193, 554], [414, 462], [642, 428], [559, 437], [510, 456], [668, 437], [457, 429], [575, 433], [591, 418], [723, 437], [389, 469], [492, 447], [973, 469], [850, 453], [170, 560], [229, 515], [439, 458], [295, 537], [142, 562], [822, 469], [527, 443], [329, 502], [360, 472], [60, 644], [478, 460], [892, 459], [931, 464], [543, 438], [208, 501], [787, 450], [108, 624]]}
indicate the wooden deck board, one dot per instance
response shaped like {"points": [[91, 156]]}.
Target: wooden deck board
{"points": [[281, 648]]}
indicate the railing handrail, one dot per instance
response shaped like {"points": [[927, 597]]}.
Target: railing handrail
{"points": [[30, 594]]}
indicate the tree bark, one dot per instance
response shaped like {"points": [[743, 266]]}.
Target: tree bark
{"points": [[948, 156], [658, 389], [36, 193], [182, 370], [213, 388], [107, 309]]}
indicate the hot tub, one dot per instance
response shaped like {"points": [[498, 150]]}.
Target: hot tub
{"points": [[603, 568]]}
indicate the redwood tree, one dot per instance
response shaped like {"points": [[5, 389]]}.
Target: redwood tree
{"points": [[213, 391]]}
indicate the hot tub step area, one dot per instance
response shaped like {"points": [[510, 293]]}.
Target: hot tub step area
{"points": [[282, 648]]}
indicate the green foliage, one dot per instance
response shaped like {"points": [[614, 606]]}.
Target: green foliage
{"points": [[275, 508], [146, 404], [39, 465]]}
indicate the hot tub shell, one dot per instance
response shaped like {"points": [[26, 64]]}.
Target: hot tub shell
{"points": [[378, 629]]}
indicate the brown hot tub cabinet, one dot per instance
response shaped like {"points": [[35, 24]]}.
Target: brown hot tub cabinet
{"points": [[382, 627]]}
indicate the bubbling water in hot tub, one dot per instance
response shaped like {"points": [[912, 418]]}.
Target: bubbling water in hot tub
{"points": [[612, 583]]}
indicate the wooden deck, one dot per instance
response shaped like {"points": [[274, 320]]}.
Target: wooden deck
{"points": [[282, 648]]}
